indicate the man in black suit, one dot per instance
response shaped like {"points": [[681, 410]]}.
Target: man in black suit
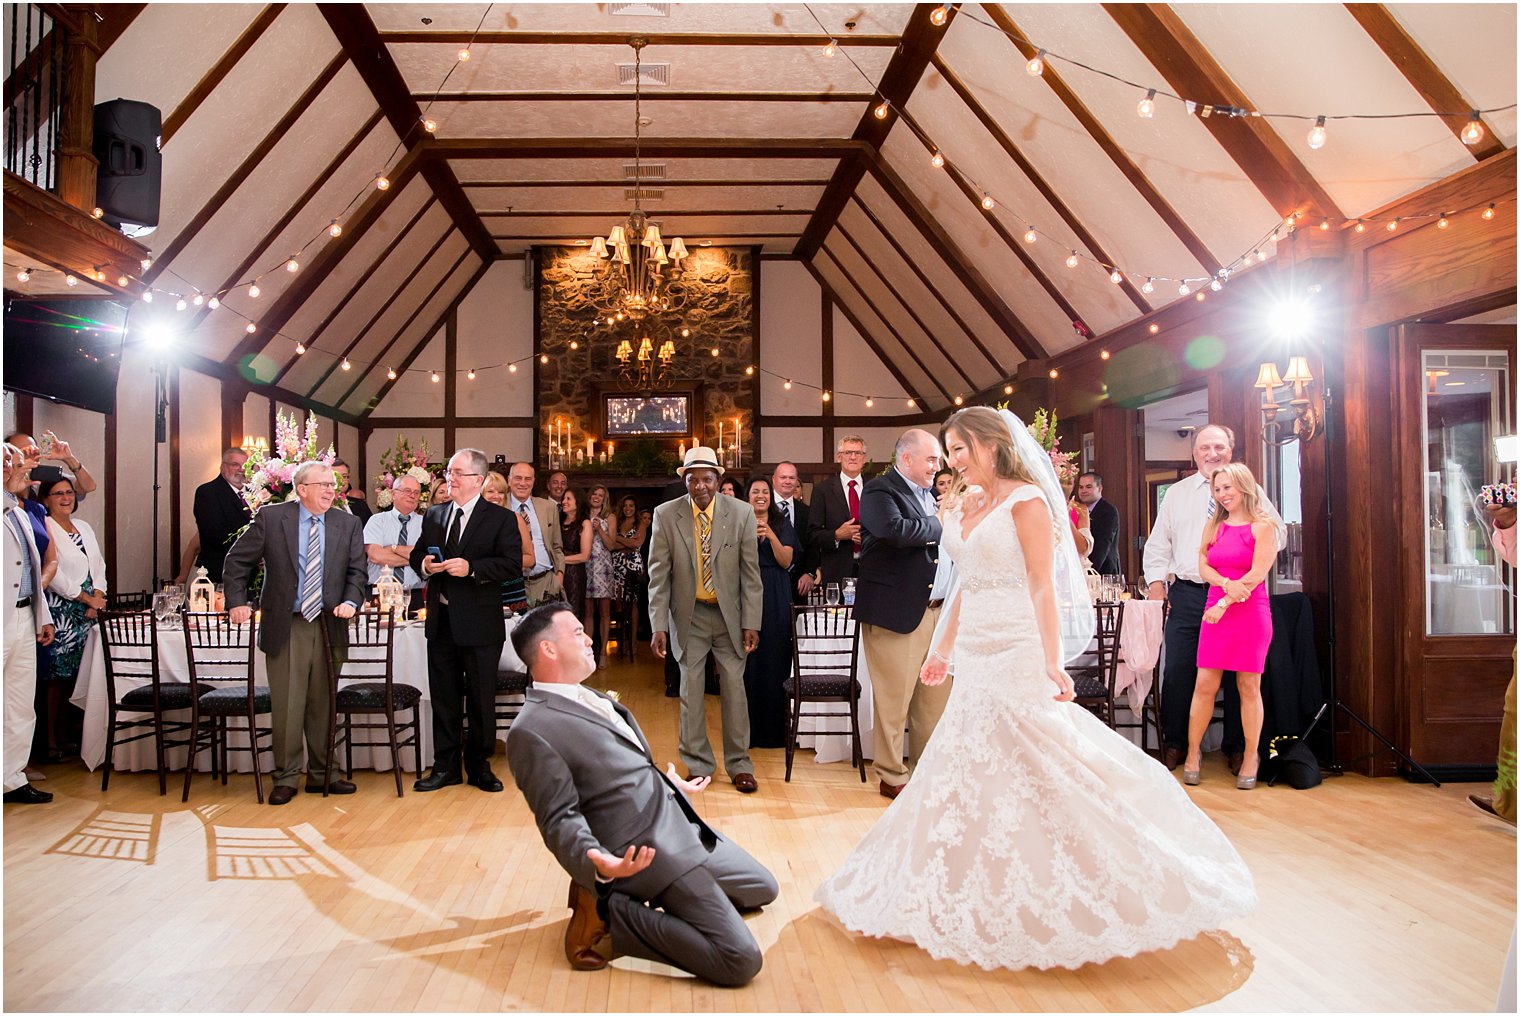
{"points": [[1103, 518], [351, 495], [786, 492], [314, 565], [834, 537], [220, 511], [897, 602], [468, 547]]}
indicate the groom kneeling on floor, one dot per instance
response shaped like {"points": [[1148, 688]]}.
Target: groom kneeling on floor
{"points": [[645, 869]]}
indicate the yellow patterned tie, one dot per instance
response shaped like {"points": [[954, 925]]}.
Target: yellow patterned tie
{"points": [[704, 560]]}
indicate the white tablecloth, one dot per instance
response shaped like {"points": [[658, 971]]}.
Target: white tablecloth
{"points": [[836, 747], [90, 696]]}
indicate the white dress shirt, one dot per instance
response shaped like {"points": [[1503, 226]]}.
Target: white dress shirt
{"points": [[596, 703], [384, 530], [1172, 548], [543, 561]]}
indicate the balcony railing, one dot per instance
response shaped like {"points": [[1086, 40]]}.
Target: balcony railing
{"points": [[36, 82]]}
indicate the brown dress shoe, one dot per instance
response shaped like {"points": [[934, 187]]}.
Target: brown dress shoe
{"points": [[585, 930], [745, 783], [1172, 757], [1483, 804], [890, 790], [282, 795], [1236, 759]]}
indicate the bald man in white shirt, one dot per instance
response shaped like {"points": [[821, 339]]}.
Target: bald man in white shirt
{"points": [[1171, 554]]}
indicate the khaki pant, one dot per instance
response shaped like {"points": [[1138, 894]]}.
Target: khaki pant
{"points": [[1504, 782], [300, 704], [709, 635], [898, 698]]}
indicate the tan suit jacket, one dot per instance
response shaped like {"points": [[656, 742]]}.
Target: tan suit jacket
{"points": [[548, 523], [673, 568]]}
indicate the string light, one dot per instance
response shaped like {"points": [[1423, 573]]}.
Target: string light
{"points": [[98, 212], [214, 302], [1155, 328], [1324, 225], [471, 374], [881, 111], [345, 365], [254, 291], [250, 328], [1488, 213], [1317, 133], [382, 182], [1071, 260], [147, 295], [1392, 225], [1036, 65], [1030, 236], [870, 402], [336, 229], [749, 370], [1361, 227], [24, 275], [511, 368], [300, 349], [146, 263], [464, 55], [1054, 373], [544, 358], [825, 395], [938, 160], [1146, 107], [830, 48], [787, 384], [434, 377], [390, 373], [939, 15], [292, 265], [1104, 354], [1008, 389], [180, 304], [912, 404], [429, 124], [1149, 287], [575, 344], [987, 203], [1473, 132], [958, 400], [198, 301], [1115, 277], [1182, 289]]}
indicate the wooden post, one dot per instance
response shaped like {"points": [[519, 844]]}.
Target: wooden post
{"points": [[77, 164]]}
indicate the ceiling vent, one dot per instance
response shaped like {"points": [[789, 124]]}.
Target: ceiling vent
{"points": [[644, 171], [647, 73], [639, 10], [643, 194]]}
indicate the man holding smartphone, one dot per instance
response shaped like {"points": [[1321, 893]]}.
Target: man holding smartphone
{"points": [[467, 548]]}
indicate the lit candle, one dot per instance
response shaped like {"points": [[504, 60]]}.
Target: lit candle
{"points": [[681, 449], [738, 444], [609, 451], [720, 436], [588, 449]]}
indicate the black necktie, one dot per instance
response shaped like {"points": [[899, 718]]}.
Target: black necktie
{"points": [[451, 543]]}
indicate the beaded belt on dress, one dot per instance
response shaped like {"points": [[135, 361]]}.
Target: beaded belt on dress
{"points": [[977, 584]]}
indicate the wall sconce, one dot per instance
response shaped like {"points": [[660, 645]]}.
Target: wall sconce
{"points": [[255, 445], [1305, 419]]}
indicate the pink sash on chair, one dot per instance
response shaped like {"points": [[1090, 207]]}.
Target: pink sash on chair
{"points": [[1139, 645]]}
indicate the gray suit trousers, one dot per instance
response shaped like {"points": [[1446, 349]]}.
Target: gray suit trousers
{"points": [[709, 634], [697, 926], [299, 695]]}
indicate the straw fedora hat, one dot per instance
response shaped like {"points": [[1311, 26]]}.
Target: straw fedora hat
{"points": [[699, 457]]}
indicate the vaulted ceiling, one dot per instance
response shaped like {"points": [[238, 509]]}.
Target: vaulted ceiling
{"points": [[279, 117]]}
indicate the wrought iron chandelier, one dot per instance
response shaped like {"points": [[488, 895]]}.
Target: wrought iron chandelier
{"points": [[645, 358], [639, 274]]}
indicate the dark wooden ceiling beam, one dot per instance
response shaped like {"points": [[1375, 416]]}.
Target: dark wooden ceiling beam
{"points": [[1035, 177], [648, 184], [864, 333], [230, 373], [1422, 73], [619, 214], [274, 231], [218, 72], [328, 257], [929, 286], [929, 333], [621, 39], [353, 291], [427, 335], [920, 38], [239, 174], [685, 95], [651, 148], [356, 33], [1111, 148], [1185, 63], [913, 209], [561, 239], [933, 376], [396, 291]]}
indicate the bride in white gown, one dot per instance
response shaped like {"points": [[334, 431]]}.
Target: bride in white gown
{"points": [[1030, 834]]}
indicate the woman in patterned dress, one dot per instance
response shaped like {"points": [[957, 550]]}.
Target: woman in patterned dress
{"points": [[600, 587], [75, 595]]}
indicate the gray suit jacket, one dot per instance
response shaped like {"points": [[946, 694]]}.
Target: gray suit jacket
{"points": [[589, 786], [271, 538], [673, 568]]}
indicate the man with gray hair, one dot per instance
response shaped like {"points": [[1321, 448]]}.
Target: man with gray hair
{"points": [[389, 537], [220, 511], [834, 517], [314, 573], [1171, 552], [903, 581]]}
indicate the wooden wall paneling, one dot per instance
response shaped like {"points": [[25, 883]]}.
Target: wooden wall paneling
{"points": [[450, 378], [826, 348], [233, 397], [1084, 235], [321, 329], [754, 351], [218, 72], [24, 414], [1264, 157], [431, 331], [1117, 155], [1118, 446], [864, 334], [239, 174], [1421, 72], [927, 225], [538, 348]]}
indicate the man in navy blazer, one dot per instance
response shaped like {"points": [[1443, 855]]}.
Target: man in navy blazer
{"points": [[834, 536], [898, 595]]}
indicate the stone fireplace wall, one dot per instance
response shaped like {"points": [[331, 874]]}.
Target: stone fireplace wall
{"points": [[720, 312]]}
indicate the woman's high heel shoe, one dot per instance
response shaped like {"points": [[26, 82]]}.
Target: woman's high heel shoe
{"points": [[1245, 782], [1192, 777]]}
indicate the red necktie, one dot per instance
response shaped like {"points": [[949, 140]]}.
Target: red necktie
{"points": [[854, 503]]}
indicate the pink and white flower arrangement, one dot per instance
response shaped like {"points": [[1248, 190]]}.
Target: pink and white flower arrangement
{"points": [[404, 460], [271, 479], [1043, 429]]}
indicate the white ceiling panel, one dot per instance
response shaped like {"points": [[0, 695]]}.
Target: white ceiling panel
{"points": [[592, 168], [1175, 152], [678, 118], [526, 200], [871, 320], [778, 19], [1474, 46], [506, 67], [1365, 163], [179, 49]]}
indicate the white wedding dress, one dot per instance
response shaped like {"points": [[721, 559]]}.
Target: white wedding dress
{"points": [[1031, 834]]}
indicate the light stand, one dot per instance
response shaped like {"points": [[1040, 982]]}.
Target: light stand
{"points": [[160, 435], [1334, 703]]}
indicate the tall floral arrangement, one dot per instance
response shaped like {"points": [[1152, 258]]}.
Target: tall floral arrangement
{"points": [[1043, 429], [404, 460], [271, 479]]}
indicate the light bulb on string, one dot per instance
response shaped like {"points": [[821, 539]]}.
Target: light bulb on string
{"points": [[685, 333], [1324, 225], [1393, 224], [881, 111], [511, 368], [1071, 260], [1473, 132], [1008, 389], [98, 212], [543, 358], [1317, 134], [1443, 221], [714, 351], [382, 182], [1054, 373], [434, 377], [826, 396], [292, 265], [959, 401], [749, 370], [939, 15], [1361, 227], [1104, 354], [1149, 287], [146, 263], [147, 295], [214, 302], [830, 48], [937, 160], [574, 344], [1182, 289], [1115, 277], [199, 300], [912, 404], [1488, 213], [1146, 107], [24, 275], [345, 365], [300, 348], [1036, 65], [390, 373], [1216, 285], [250, 328], [122, 280], [464, 55], [987, 203], [1155, 328], [787, 384], [336, 229], [254, 291], [1030, 236], [180, 304], [471, 374], [429, 124]]}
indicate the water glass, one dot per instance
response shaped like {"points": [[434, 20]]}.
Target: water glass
{"points": [[831, 594]]}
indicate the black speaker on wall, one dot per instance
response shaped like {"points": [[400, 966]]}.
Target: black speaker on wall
{"points": [[130, 176]]}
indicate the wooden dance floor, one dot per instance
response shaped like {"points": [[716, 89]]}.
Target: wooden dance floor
{"points": [[1376, 895]]}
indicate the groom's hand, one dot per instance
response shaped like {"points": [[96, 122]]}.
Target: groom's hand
{"points": [[688, 787], [631, 863]]}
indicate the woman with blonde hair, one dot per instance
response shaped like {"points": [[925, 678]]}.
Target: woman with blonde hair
{"points": [[600, 583], [1239, 547]]}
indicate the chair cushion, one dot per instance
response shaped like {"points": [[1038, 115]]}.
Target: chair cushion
{"points": [[820, 685], [1090, 687], [371, 697], [511, 682], [170, 696], [234, 701]]}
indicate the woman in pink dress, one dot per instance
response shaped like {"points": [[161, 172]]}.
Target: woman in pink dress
{"points": [[1237, 553]]}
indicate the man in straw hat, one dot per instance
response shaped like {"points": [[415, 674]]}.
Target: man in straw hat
{"points": [[705, 598]]}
